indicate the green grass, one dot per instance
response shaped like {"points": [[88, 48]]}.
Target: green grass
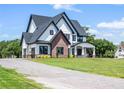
{"points": [[10, 79], [102, 66]]}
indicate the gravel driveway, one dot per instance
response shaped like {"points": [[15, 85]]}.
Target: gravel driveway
{"points": [[55, 77]]}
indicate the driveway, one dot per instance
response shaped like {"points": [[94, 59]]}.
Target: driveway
{"points": [[55, 77]]}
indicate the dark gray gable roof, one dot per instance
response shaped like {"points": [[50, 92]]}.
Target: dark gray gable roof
{"points": [[39, 20], [42, 42], [40, 30], [59, 32], [42, 22], [26, 36], [79, 28]]}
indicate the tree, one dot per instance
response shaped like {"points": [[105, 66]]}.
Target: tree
{"points": [[104, 48], [10, 48]]}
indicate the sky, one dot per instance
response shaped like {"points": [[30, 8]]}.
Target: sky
{"points": [[104, 21]]}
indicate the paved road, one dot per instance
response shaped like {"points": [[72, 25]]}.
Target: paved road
{"points": [[55, 77]]}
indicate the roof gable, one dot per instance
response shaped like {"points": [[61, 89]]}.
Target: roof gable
{"points": [[42, 22], [26, 36], [66, 23], [39, 31], [60, 32], [79, 28]]}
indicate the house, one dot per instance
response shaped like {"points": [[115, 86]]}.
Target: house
{"points": [[120, 51], [55, 36]]}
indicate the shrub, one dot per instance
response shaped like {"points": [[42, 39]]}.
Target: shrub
{"points": [[43, 56], [71, 56], [109, 54]]}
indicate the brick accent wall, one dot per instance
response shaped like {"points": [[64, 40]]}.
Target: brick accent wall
{"points": [[59, 41]]}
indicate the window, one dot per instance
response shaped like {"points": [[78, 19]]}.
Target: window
{"points": [[43, 50], [72, 51], [51, 32], [80, 39], [68, 36], [74, 37], [60, 50], [120, 50]]}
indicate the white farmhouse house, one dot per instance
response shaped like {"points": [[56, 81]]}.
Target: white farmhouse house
{"points": [[120, 51], [57, 35]]}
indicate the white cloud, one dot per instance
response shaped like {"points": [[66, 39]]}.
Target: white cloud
{"points": [[122, 34], [122, 19], [108, 35], [93, 31], [116, 25], [66, 7]]}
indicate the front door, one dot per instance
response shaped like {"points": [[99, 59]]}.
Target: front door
{"points": [[79, 52], [32, 52]]}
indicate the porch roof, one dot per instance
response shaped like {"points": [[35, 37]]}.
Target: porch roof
{"points": [[85, 45]]}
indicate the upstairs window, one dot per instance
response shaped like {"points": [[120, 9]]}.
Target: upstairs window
{"points": [[68, 36], [51, 32], [73, 37], [80, 39]]}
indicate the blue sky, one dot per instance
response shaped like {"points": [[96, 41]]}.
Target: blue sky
{"points": [[105, 21]]}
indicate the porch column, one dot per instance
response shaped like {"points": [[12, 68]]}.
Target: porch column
{"points": [[75, 51], [83, 51], [94, 52]]}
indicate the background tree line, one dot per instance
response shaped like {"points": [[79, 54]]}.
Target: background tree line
{"points": [[104, 48], [9, 49]]}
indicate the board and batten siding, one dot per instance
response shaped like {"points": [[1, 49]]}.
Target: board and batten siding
{"points": [[24, 46], [46, 35], [32, 27], [62, 25]]}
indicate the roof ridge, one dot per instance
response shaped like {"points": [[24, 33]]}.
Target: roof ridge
{"points": [[40, 15]]}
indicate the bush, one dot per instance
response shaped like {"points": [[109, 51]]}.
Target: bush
{"points": [[109, 54], [43, 56], [71, 56]]}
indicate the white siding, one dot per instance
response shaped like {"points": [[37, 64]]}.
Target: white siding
{"points": [[32, 27], [84, 39], [24, 45], [46, 35], [119, 54], [36, 46], [64, 27], [70, 24], [66, 30]]}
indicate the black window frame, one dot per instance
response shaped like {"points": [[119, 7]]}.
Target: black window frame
{"points": [[61, 50], [73, 37], [80, 39], [42, 50], [51, 32]]}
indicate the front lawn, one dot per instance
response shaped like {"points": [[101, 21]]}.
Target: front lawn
{"points": [[103, 66], [10, 79]]}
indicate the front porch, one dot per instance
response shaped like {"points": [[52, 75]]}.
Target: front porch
{"points": [[82, 50]]}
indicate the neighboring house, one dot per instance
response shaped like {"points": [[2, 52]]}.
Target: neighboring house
{"points": [[120, 51], [54, 36]]}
